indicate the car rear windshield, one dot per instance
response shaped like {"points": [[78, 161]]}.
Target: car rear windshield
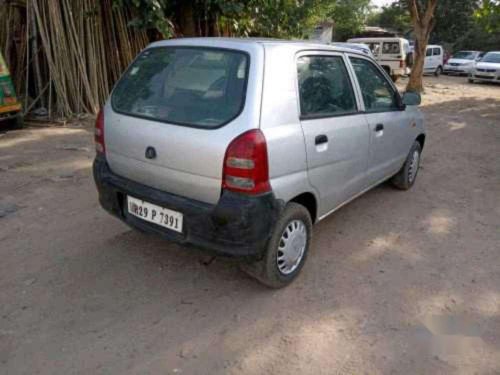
{"points": [[193, 86]]}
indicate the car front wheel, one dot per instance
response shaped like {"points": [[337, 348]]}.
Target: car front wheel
{"points": [[287, 249]]}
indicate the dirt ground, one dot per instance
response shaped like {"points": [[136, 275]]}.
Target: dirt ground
{"points": [[396, 282]]}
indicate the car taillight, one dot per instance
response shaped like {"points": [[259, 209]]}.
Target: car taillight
{"points": [[402, 64], [99, 133], [245, 164]]}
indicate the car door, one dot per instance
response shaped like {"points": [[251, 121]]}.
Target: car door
{"points": [[392, 53], [388, 123], [335, 131], [429, 61], [437, 55]]}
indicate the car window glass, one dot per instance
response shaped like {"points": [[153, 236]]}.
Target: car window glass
{"points": [[464, 55], [437, 51], [374, 47], [378, 93], [428, 52], [492, 57], [391, 48], [324, 86], [193, 86]]}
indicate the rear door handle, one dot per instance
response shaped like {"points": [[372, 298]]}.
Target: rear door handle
{"points": [[379, 127], [320, 139]]}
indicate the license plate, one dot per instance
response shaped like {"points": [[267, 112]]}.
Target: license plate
{"points": [[155, 214]]}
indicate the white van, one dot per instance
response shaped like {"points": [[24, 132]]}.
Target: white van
{"points": [[434, 60], [393, 54]]}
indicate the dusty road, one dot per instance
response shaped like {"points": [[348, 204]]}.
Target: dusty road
{"points": [[396, 283]]}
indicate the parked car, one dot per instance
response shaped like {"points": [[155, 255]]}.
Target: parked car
{"points": [[462, 62], [10, 108], [357, 46], [434, 60], [393, 54], [239, 146], [487, 69]]}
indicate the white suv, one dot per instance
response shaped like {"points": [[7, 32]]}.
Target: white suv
{"points": [[239, 146]]}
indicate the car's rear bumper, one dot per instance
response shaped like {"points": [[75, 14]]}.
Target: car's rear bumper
{"points": [[238, 225]]}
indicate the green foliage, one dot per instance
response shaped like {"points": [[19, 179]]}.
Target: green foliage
{"points": [[349, 16], [267, 18], [488, 16], [459, 24], [454, 18], [148, 14], [395, 17]]}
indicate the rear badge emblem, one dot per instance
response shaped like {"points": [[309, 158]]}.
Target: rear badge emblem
{"points": [[150, 153]]}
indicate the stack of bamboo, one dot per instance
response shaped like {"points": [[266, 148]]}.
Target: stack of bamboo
{"points": [[71, 51]]}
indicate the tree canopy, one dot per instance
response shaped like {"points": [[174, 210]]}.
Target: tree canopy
{"points": [[459, 24], [267, 18]]}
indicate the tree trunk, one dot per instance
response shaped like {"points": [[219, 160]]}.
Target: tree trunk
{"points": [[36, 61], [417, 70], [185, 13], [423, 23]]}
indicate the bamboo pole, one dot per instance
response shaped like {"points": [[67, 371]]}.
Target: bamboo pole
{"points": [[72, 50]]}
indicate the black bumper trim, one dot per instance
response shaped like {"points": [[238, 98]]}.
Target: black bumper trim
{"points": [[238, 225]]}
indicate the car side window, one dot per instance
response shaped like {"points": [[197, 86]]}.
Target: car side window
{"points": [[437, 51], [324, 87], [378, 93], [391, 47], [428, 52]]}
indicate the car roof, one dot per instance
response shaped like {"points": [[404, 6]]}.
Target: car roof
{"points": [[222, 42], [377, 39], [356, 44]]}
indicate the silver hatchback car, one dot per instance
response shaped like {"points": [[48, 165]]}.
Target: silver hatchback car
{"points": [[239, 146]]}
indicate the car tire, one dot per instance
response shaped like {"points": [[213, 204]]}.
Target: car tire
{"points": [[286, 250], [18, 122], [438, 71], [406, 177], [470, 80]]}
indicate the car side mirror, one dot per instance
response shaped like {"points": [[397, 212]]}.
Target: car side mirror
{"points": [[412, 98]]}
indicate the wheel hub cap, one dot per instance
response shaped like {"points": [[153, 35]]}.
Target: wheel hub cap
{"points": [[415, 160], [291, 247]]}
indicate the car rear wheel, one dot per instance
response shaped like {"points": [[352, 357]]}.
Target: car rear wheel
{"points": [[438, 71], [406, 177], [18, 122], [287, 249]]}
